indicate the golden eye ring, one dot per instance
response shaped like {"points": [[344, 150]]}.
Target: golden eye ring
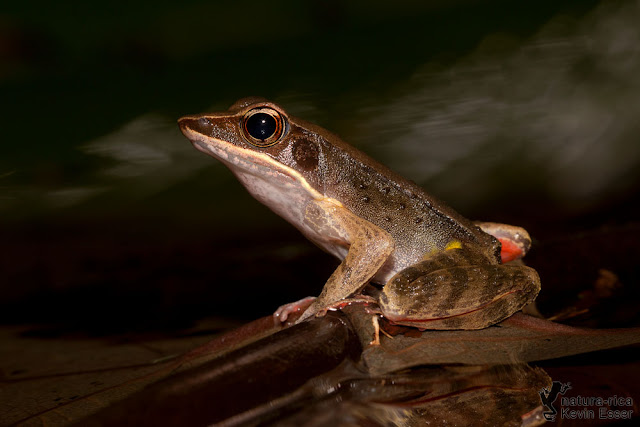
{"points": [[263, 127]]}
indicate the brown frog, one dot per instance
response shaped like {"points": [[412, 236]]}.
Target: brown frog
{"points": [[438, 269]]}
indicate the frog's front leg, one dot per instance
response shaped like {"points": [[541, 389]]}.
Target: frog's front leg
{"points": [[369, 248], [457, 289]]}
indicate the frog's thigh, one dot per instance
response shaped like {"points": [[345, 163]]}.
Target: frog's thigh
{"points": [[369, 248], [457, 297]]}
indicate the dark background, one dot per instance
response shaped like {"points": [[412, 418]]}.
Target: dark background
{"points": [[525, 113]]}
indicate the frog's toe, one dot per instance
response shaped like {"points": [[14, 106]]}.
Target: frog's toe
{"points": [[284, 311]]}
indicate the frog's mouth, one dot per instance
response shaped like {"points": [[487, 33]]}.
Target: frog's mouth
{"points": [[245, 161]]}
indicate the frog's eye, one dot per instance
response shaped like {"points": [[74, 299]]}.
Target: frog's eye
{"points": [[263, 127]]}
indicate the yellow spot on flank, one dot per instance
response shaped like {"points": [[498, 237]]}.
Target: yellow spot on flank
{"points": [[432, 252], [454, 244]]}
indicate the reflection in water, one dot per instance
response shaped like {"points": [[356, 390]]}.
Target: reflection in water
{"points": [[499, 395]]}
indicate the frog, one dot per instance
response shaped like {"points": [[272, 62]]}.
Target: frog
{"points": [[436, 268]]}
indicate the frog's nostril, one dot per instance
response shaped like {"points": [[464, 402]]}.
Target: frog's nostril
{"points": [[200, 125]]}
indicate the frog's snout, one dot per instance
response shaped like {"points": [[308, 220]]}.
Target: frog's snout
{"points": [[194, 124]]}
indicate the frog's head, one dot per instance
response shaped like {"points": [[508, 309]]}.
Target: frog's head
{"points": [[257, 140]]}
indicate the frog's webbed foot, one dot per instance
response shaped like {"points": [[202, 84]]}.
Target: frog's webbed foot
{"points": [[455, 289], [321, 310]]}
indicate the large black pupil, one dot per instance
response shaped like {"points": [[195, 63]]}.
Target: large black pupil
{"points": [[261, 126]]}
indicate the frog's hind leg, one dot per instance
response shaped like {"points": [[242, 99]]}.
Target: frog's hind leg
{"points": [[457, 289]]}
